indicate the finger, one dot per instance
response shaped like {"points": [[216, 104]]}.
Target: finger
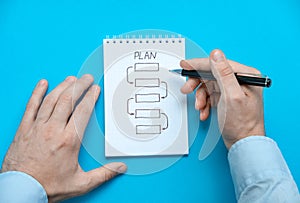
{"points": [[204, 65], [237, 67], [83, 111], [224, 74], [190, 85], [66, 101], [204, 114], [193, 64], [201, 97], [50, 100], [212, 87], [103, 174], [34, 104], [214, 98], [196, 64]]}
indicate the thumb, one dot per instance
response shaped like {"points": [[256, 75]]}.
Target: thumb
{"points": [[100, 175], [224, 74]]}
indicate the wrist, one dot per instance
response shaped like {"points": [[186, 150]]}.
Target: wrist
{"points": [[232, 136], [229, 142]]}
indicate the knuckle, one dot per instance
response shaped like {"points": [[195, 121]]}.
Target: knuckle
{"points": [[107, 175], [84, 109], [201, 92], [66, 98], [35, 93], [189, 87], [50, 100], [49, 131], [192, 84], [31, 106], [40, 119], [225, 70], [237, 99], [72, 139], [66, 141]]}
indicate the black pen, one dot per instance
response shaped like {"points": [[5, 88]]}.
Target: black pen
{"points": [[242, 78]]}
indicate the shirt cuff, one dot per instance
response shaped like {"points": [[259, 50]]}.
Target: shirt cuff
{"points": [[254, 157], [21, 187]]}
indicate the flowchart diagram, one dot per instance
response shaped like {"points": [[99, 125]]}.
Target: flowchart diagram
{"points": [[151, 83]]}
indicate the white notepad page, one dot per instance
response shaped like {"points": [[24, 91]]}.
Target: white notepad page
{"points": [[145, 112]]}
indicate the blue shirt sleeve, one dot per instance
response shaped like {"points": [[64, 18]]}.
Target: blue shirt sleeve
{"points": [[18, 187], [260, 173]]}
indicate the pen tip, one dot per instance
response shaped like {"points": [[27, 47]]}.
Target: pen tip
{"points": [[175, 71]]}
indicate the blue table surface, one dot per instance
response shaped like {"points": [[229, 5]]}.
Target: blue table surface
{"points": [[46, 39]]}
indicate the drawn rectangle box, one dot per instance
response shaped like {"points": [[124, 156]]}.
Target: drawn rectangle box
{"points": [[148, 129], [147, 67], [147, 98], [147, 82], [147, 113]]}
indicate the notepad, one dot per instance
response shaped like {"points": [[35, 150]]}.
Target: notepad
{"points": [[145, 112]]}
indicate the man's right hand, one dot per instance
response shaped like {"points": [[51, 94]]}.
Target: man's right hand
{"points": [[240, 107]]}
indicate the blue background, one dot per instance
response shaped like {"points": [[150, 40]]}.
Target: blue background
{"points": [[51, 39]]}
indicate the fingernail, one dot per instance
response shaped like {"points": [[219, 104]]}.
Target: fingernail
{"points": [[96, 89], [181, 63], [122, 169], [201, 116], [88, 77], [218, 56], [42, 83], [70, 79], [196, 104]]}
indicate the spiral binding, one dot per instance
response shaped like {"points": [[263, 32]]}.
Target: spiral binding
{"points": [[126, 39]]}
